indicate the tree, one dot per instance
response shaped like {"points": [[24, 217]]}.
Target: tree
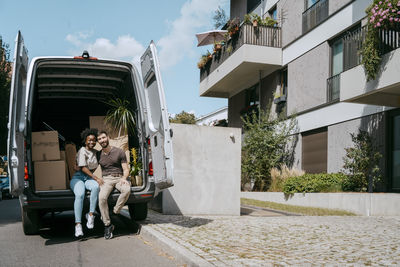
{"points": [[265, 146], [361, 163], [184, 118], [5, 83], [219, 18]]}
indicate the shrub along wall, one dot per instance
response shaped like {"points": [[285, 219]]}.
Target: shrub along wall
{"points": [[311, 183]]}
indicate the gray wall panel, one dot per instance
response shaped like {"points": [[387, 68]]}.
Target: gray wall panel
{"points": [[307, 77]]}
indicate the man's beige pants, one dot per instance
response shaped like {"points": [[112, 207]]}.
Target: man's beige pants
{"points": [[109, 183]]}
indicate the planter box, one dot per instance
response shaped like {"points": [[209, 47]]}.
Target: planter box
{"points": [[367, 204]]}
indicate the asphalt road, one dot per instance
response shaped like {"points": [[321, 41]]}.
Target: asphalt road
{"points": [[56, 245]]}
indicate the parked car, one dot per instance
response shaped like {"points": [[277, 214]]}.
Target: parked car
{"points": [[63, 92]]}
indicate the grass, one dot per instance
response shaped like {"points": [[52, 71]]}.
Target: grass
{"points": [[310, 211]]}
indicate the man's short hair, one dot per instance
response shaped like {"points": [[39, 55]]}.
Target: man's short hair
{"points": [[102, 132]]}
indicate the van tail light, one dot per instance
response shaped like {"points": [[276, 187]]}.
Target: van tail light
{"points": [[26, 175], [151, 168]]}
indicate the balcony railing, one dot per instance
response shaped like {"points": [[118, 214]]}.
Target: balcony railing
{"points": [[352, 44], [261, 36], [333, 85], [315, 14]]}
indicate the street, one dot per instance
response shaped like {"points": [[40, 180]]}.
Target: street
{"points": [[56, 245]]}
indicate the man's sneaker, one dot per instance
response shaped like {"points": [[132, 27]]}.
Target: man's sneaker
{"points": [[78, 230], [108, 231], [90, 221]]}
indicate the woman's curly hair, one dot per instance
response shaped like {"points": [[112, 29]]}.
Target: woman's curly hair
{"points": [[85, 133]]}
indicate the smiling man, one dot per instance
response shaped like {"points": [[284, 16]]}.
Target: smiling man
{"points": [[115, 171]]}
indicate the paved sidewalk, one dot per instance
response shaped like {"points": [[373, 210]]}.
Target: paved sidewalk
{"points": [[281, 240]]}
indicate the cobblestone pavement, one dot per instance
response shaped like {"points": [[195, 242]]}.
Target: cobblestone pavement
{"points": [[285, 240]]}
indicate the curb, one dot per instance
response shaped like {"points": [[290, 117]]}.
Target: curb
{"points": [[169, 246]]}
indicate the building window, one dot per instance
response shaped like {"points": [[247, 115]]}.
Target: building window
{"points": [[252, 101], [333, 83], [273, 13], [280, 96], [252, 4], [316, 11], [315, 151]]}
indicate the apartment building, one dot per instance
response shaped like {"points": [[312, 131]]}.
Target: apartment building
{"points": [[309, 64]]}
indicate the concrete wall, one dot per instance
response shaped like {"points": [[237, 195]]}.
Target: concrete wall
{"points": [[336, 5], [339, 138], [238, 9], [206, 171], [290, 13], [307, 77], [235, 104], [367, 204]]}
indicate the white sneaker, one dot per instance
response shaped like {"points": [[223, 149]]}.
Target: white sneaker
{"points": [[90, 221], [78, 230]]}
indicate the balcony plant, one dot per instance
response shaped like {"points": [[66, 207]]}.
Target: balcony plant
{"points": [[204, 59], [233, 27], [382, 15], [218, 46]]}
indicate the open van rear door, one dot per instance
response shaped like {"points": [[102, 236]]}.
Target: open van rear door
{"points": [[17, 121], [158, 128]]}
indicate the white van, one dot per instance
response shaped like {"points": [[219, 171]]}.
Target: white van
{"points": [[61, 93]]}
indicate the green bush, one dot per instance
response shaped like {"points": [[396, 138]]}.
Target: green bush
{"points": [[312, 183]]}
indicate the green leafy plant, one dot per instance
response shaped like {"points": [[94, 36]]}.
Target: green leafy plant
{"points": [[280, 175], [265, 146], [382, 14], [312, 183], [361, 162], [184, 118], [135, 165], [219, 18], [247, 19], [5, 83], [120, 116]]}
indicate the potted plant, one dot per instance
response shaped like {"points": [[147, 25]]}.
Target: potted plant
{"points": [[247, 19], [233, 26], [202, 62], [120, 116], [217, 46], [256, 20], [135, 169]]}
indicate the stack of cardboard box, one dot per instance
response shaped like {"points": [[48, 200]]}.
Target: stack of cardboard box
{"points": [[49, 162]]}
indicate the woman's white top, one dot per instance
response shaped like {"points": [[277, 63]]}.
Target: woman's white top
{"points": [[87, 158]]}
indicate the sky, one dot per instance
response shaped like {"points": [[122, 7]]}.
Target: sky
{"points": [[121, 29]]}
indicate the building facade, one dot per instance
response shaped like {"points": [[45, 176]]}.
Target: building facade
{"points": [[308, 64]]}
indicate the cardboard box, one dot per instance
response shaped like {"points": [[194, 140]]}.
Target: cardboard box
{"points": [[45, 146], [63, 157], [50, 175], [70, 155], [99, 123]]}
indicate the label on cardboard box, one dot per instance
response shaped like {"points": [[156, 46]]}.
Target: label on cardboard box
{"points": [[50, 175], [45, 146]]}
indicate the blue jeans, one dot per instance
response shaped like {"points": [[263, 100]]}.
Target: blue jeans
{"points": [[78, 184]]}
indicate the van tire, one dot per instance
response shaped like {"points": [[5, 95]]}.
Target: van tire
{"points": [[138, 211], [30, 222]]}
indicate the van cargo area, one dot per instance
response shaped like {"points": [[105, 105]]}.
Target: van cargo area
{"points": [[66, 92]]}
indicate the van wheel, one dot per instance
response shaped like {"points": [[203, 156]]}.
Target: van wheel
{"points": [[30, 222], [138, 211]]}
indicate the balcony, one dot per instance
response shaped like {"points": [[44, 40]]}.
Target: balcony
{"points": [[315, 15], [385, 89], [239, 63]]}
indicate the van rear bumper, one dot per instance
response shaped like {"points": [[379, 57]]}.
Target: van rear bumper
{"points": [[65, 202]]}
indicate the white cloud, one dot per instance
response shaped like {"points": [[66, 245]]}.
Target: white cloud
{"points": [[125, 47], [180, 41]]}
